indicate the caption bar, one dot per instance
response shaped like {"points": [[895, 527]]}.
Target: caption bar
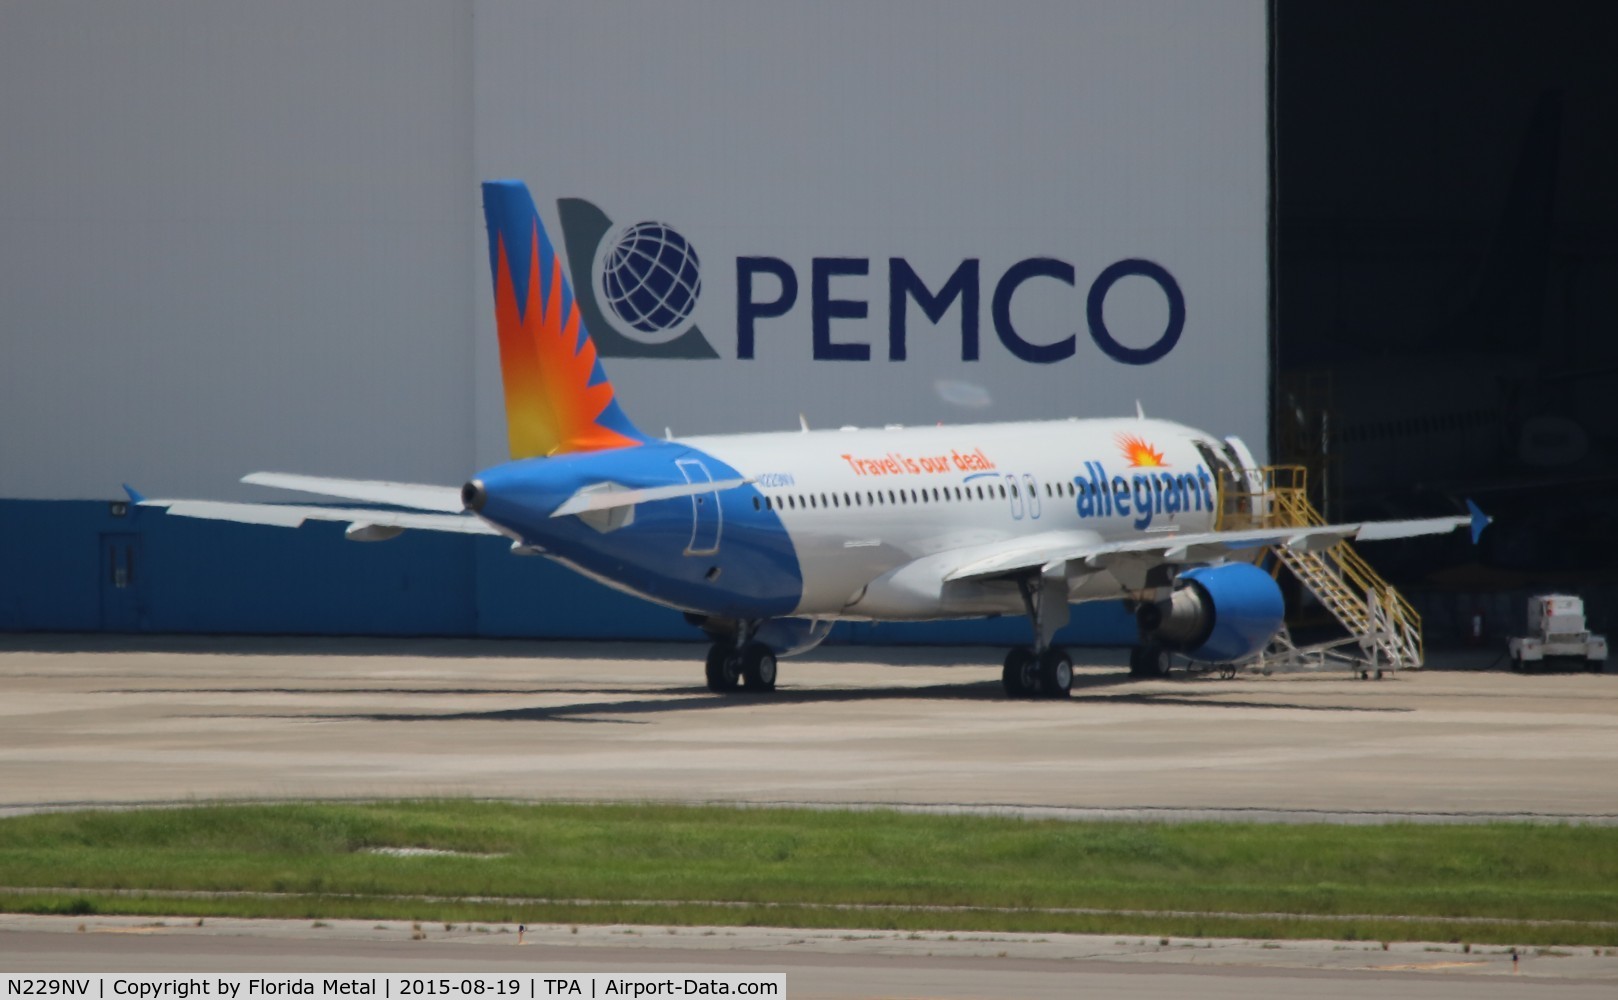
{"points": [[387, 986]]}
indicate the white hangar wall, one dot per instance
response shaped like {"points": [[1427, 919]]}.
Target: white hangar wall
{"points": [[233, 236], [239, 236], [1084, 132]]}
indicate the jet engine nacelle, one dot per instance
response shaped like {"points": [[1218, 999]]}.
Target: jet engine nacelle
{"points": [[1217, 613]]}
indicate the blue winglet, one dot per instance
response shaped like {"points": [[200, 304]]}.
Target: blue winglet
{"points": [[134, 494], [1480, 520]]}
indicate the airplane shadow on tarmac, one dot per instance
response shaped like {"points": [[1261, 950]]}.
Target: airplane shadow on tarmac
{"points": [[1089, 689]]}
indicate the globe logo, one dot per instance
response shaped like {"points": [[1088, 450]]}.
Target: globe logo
{"points": [[650, 278]]}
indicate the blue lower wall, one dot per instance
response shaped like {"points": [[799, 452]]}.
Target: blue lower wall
{"points": [[217, 577]]}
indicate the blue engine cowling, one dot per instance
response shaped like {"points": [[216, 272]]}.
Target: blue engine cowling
{"points": [[1217, 613]]}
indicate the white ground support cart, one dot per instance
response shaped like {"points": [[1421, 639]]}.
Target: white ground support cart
{"points": [[1556, 628]]}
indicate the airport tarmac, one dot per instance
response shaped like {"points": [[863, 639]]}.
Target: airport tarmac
{"points": [[819, 963], [133, 721], [138, 721]]}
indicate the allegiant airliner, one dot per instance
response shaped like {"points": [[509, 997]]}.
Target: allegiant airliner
{"points": [[766, 540]]}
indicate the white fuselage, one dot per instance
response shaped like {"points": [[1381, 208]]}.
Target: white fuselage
{"points": [[861, 503]]}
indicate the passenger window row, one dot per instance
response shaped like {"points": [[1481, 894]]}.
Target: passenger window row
{"points": [[896, 498]]}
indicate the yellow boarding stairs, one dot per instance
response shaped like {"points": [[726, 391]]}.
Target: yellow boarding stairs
{"points": [[1384, 631]]}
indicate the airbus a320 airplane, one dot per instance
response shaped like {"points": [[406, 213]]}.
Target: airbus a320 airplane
{"points": [[766, 540]]}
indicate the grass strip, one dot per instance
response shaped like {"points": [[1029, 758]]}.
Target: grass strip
{"points": [[693, 864]]}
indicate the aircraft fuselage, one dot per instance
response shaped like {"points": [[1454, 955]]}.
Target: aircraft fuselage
{"points": [[827, 514]]}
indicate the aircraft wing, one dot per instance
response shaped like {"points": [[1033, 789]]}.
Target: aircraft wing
{"points": [[1196, 547]]}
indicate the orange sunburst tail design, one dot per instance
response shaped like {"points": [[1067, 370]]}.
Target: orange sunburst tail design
{"points": [[558, 398], [1139, 453]]}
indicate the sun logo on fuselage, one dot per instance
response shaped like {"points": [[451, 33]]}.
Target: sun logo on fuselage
{"points": [[1139, 454]]}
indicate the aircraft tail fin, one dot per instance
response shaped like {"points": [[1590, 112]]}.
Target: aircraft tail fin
{"points": [[558, 398]]}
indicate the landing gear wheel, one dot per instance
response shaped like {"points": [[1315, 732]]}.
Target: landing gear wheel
{"points": [[1020, 677], [1147, 662], [758, 667], [1055, 673], [724, 668]]}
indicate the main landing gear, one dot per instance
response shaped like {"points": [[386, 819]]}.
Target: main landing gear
{"points": [[1028, 674], [737, 661], [1041, 670]]}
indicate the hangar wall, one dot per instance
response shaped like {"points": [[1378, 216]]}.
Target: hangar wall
{"points": [[237, 236], [862, 142], [242, 236]]}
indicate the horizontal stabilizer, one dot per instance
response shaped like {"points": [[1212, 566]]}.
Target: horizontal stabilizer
{"points": [[291, 516], [606, 496], [418, 496]]}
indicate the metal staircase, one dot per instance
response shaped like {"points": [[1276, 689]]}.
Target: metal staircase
{"points": [[1384, 631]]}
